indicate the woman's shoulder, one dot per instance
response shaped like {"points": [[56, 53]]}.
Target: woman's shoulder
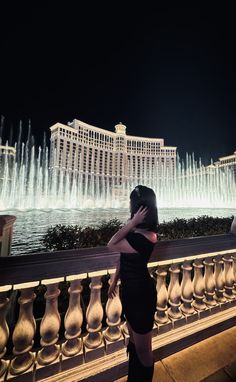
{"points": [[149, 235], [152, 237], [140, 242]]}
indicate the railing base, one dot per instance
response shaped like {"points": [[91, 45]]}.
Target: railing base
{"points": [[3, 371], [113, 366], [178, 339], [27, 376], [163, 328], [112, 347], [68, 363], [43, 372], [92, 354]]}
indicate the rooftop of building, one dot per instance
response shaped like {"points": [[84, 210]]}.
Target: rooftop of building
{"points": [[120, 129], [7, 148], [232, 156]]}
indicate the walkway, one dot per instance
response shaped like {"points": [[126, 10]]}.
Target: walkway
{"points": [[211, 360]]}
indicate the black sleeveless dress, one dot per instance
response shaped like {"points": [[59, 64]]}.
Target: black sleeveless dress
{"points": [[138, 287]]}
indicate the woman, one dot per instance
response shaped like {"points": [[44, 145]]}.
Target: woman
{"points": [[135, 241]]}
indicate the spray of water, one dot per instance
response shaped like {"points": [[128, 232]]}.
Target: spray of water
{"points": [[29, 183]]}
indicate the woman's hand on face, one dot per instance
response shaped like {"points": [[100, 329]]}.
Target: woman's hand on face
{"points": [[140, 215], [112, 290]]}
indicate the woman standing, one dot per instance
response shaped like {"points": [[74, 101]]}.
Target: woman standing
{"points": [[135, 241]]}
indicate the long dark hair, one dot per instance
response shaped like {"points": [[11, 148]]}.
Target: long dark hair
{"points": [[146, 197]]}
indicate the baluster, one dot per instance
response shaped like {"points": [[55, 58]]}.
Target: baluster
{"points": [[174, 293], [73, 318], [187, 290], [50, 325], [23, 334], [209, 283], [219, 280], [4, 331], [94, 315], [229, 278], [198, 286], [234, 271], [161, 316], [113, 313]]}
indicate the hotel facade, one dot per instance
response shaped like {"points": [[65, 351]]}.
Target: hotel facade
{"points": [[115, 158], [7, 157], [227, 162]]}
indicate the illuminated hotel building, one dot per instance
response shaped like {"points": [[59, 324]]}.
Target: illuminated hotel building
{"points": [[7, 155], [115, 157], [227, 162]]}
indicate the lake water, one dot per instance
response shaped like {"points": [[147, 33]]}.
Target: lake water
{"points": [[31, 225]]}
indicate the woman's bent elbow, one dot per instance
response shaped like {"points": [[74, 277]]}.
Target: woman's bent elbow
{"points": [[111, 247]]}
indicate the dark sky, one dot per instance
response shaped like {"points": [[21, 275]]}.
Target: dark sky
{"points": [[169, 72]]}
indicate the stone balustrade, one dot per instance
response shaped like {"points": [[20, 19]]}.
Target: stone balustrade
{"points": [[6, 228], [196, 290]]}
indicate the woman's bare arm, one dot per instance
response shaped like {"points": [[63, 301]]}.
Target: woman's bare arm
{"points": [[114, 281], [117, 272], [118, 242], [119, 235]]}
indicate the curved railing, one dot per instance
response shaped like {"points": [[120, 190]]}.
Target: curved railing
{"points": [[196, 290]]}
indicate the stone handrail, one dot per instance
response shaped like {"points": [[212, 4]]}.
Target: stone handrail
{"points": [[196, 288], [233, 226], [6, 228], [46, 265]]}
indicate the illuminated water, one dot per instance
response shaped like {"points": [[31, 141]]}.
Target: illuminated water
{"points": [[28, 183], [40, 198], [30, 226]]}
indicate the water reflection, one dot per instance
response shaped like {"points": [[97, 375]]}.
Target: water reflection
{"points": [[30, 226]]}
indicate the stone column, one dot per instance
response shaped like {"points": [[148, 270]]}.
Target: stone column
{"points": [[50, 325], [234, 270], [174, 293], [73, 320], [229, 277], [23, 334], [187, 290], [198, 286], [161, 316], [94, 316], [113, 313], [6, 229], [112, 333], [219, 280], [209, 283], [4, 332], [72, 353]]}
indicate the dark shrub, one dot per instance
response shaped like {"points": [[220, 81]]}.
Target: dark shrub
{"points": [[62, 237], [69, 237], [200, 226]]}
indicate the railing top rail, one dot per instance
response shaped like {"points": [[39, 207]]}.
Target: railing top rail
{"points": [[5, 221], [49, 265]]}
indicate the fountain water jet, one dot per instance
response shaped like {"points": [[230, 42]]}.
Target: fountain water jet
{"points": [[29, 183]]}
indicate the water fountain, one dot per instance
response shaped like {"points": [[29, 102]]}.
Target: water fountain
{"points": [[27, 183], [40, 198]]}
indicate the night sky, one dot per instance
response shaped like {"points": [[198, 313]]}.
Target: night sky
{"points": [[168, 72]]}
